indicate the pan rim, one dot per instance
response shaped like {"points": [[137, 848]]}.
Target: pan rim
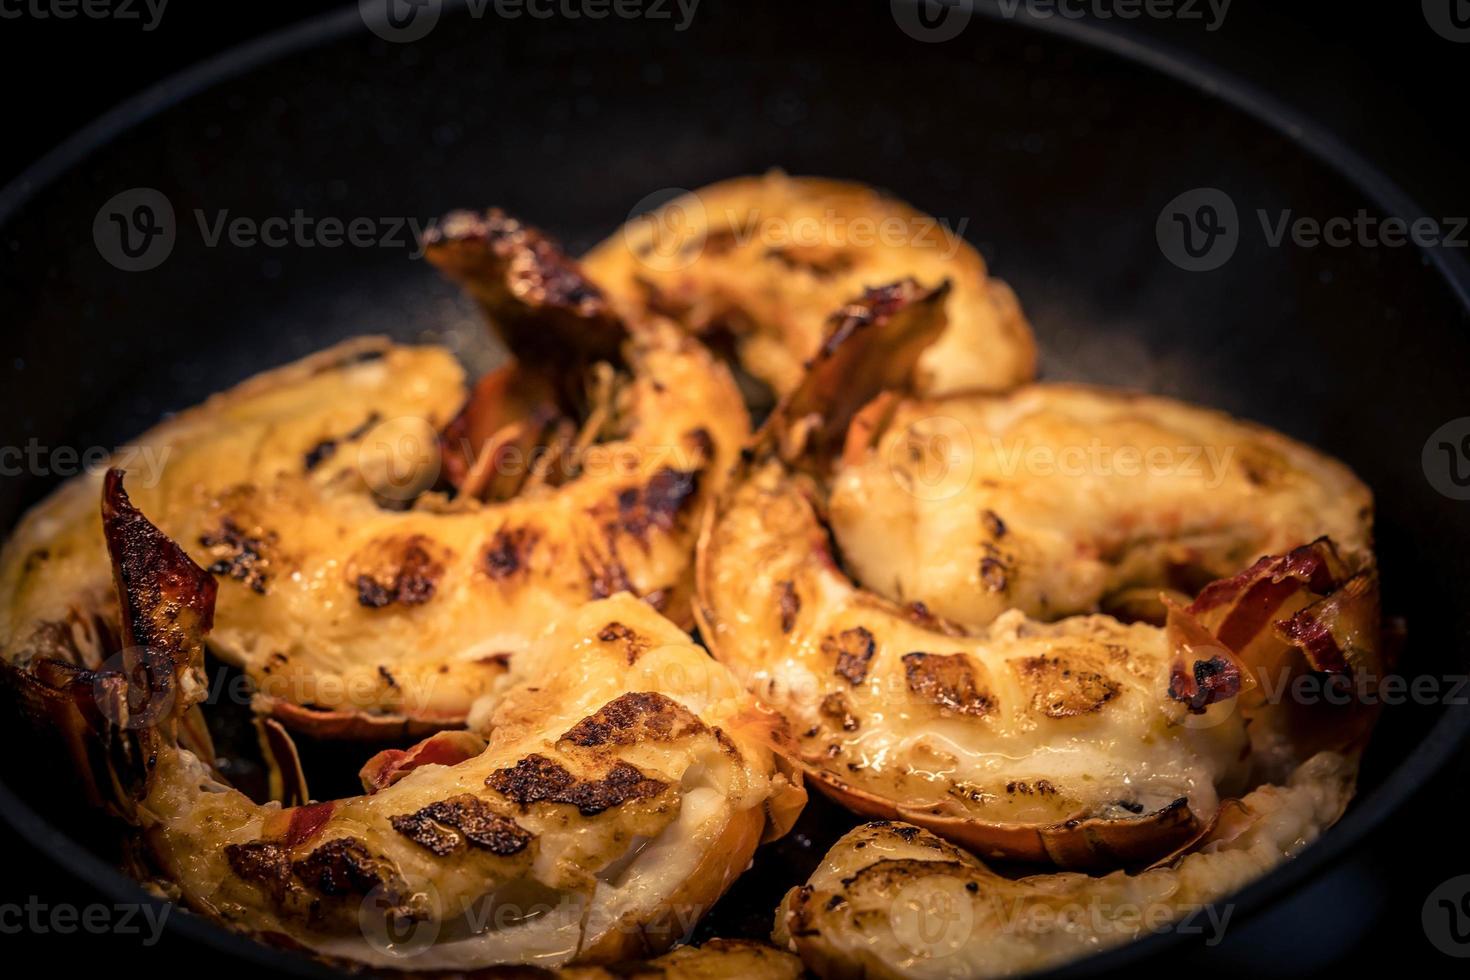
{"points": [[1428, 756]]}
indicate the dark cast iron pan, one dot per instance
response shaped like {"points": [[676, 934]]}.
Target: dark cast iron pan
{"points": [[1058, 145]]}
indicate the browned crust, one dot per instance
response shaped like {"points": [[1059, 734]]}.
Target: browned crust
{"points": [[538, 779], [948, 681], [462, 821], [635, 717]]}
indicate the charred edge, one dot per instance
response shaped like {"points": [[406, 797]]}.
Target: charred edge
{"points": [[537, 779], [1215, 679], [167, 604], [545, 273], [542, 304], [1315, 639], [876, 304], [1310, 564]]}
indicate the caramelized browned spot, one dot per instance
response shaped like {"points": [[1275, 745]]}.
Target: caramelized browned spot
{"points": [[1060, 690], [605, 574], [994, 526], [790, 604], [1040, 787], [632, 643], [240, 555], [853, 649], [657, 504], [327, 448], [448, 825], [509, 551], [342, 866], [261, 862], [537, 779], [406, 571], [635, 717], [703, 443], [993, 573], [836, 709], [947, 680], [820, 260]]}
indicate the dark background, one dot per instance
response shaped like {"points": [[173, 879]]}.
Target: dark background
{"points": [[1375, 74]]}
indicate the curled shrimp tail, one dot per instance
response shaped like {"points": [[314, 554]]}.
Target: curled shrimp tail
{"points": [[536, 297], [112, 717], [1297, 638], [557, 325], [871, 348]]}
